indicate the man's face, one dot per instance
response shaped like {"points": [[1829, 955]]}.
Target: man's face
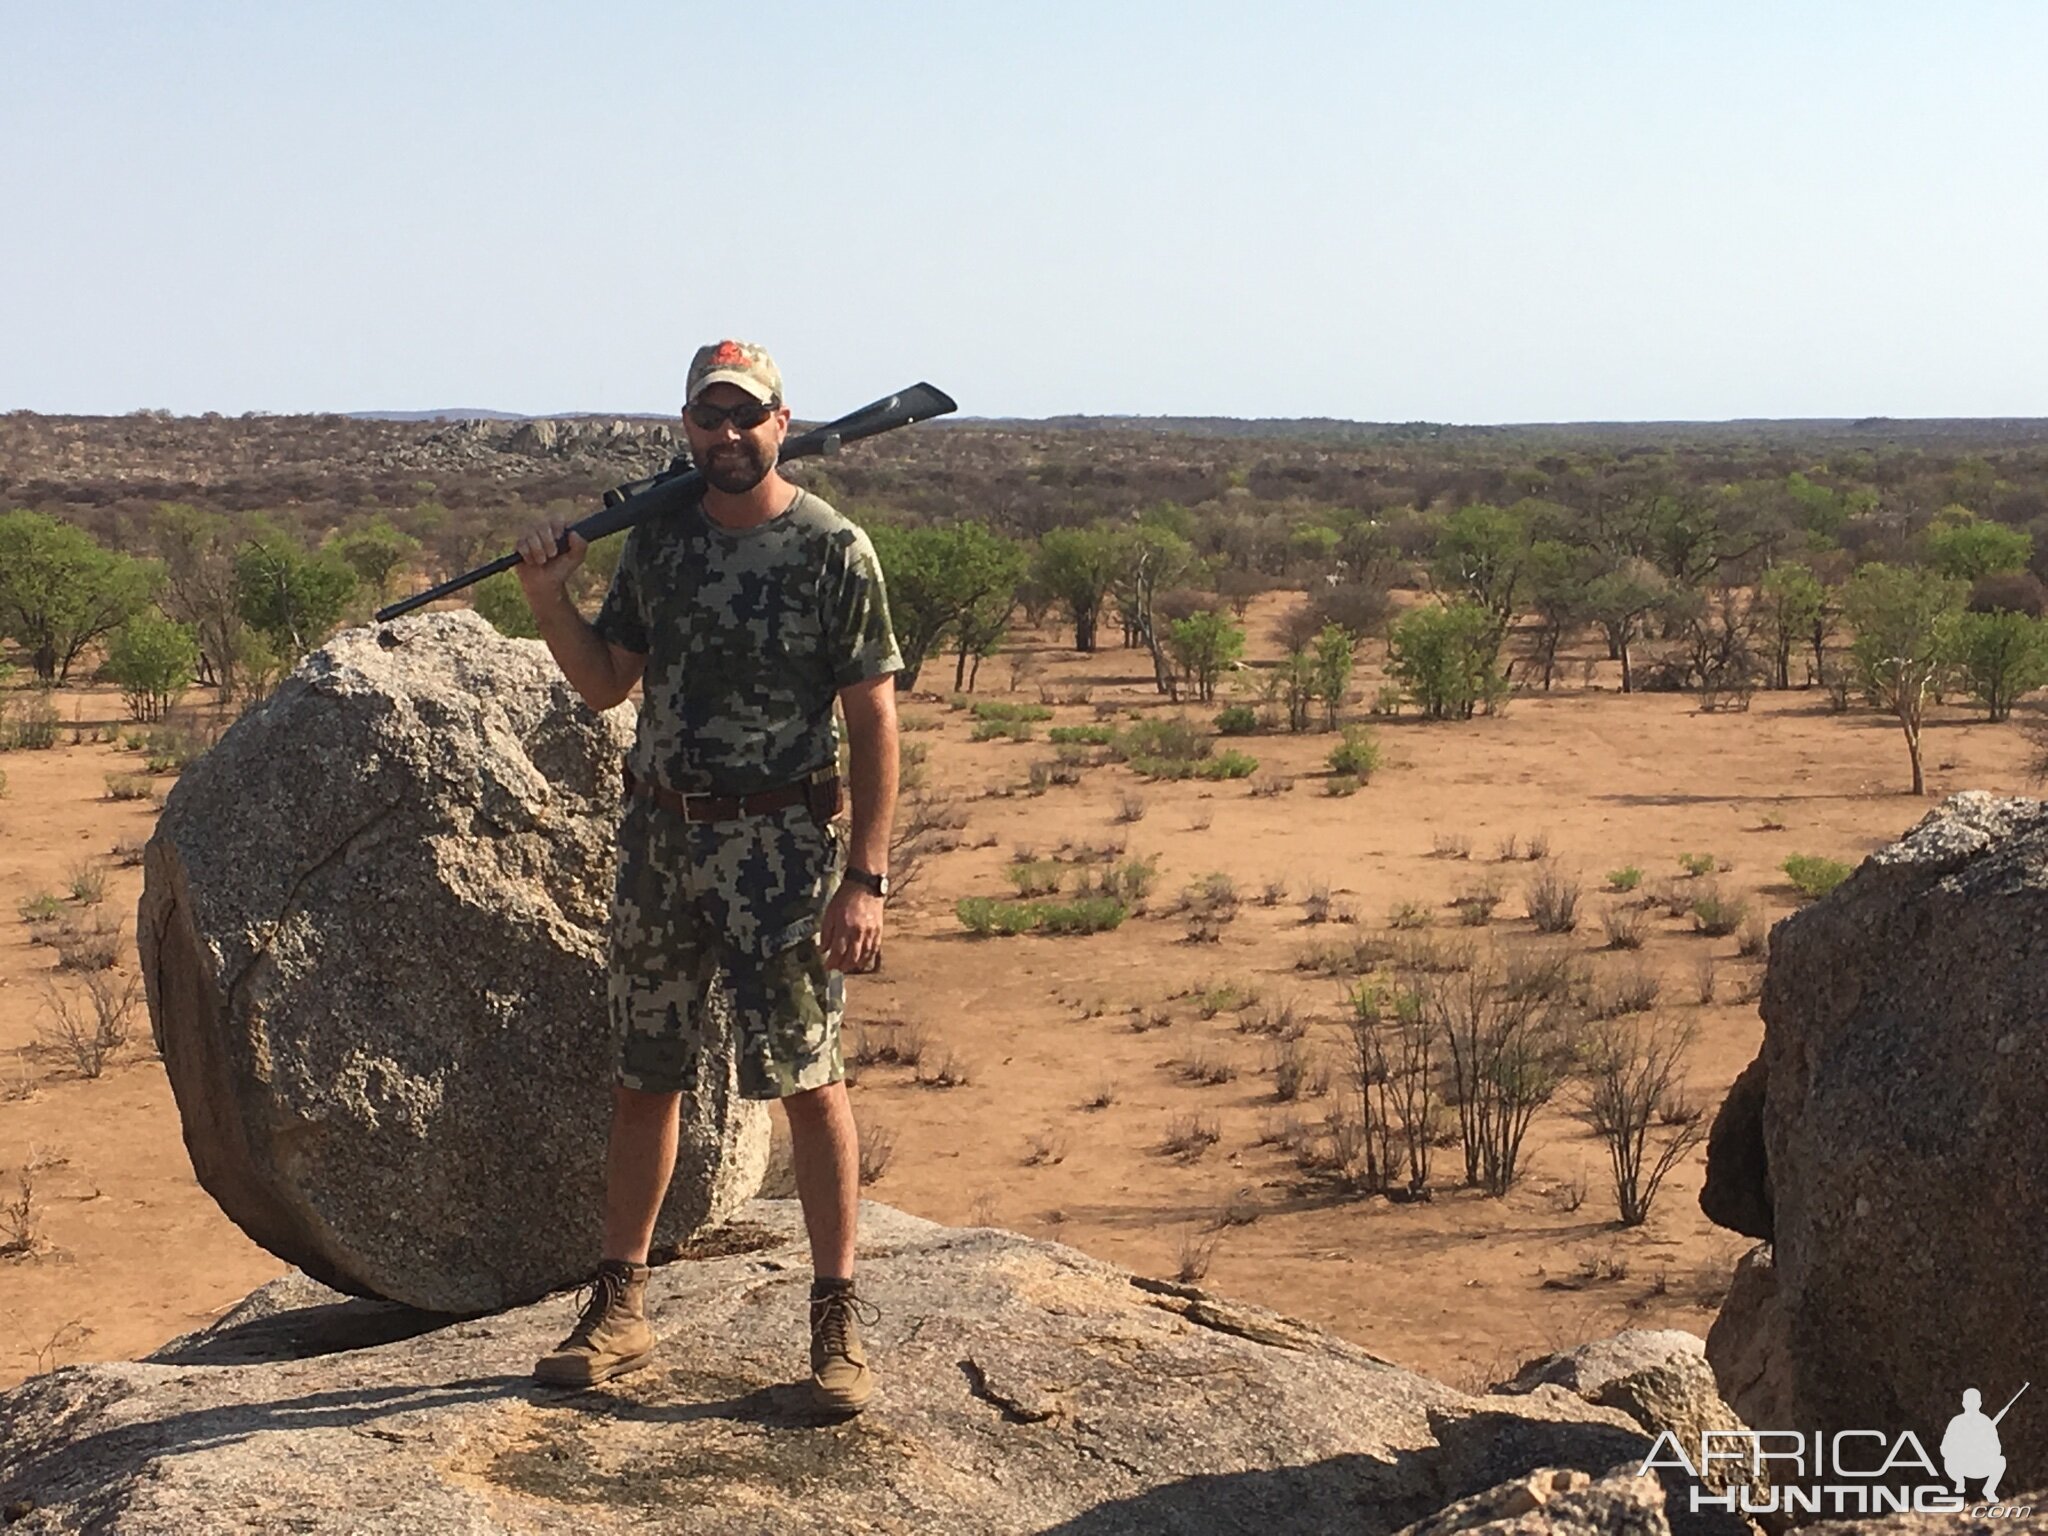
{"points": [[734, 459]]}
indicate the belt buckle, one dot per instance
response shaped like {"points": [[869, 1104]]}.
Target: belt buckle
{"points": [[683, 799]]}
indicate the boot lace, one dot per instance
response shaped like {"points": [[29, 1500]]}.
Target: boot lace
{"points": [[832, 1317], [604, 1290]]}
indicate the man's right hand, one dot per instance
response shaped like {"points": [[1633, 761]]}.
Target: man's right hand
{"points": [[543, 573]]}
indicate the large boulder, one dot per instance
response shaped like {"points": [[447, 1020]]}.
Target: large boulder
{"points": [[1904, 1134], [373, 932], [1022, 1387]]}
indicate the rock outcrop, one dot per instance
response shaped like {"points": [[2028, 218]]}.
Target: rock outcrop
{"points": [[1022, 1387], [1590, 1366], [1896, 1108], [372, 929]]}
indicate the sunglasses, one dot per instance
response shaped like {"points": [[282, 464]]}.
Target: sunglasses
{"points": [[747, 415]]}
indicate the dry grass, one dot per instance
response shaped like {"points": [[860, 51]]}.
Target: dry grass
{"points": [[1189, 1135], [86, 1031]]}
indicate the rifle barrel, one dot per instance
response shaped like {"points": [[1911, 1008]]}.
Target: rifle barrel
{"points": [[920, 402]]}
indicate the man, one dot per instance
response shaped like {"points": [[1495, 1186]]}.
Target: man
{"points": [[744, 617]]}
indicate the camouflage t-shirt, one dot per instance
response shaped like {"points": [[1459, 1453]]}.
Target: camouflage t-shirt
{"points": [[749, 635]]}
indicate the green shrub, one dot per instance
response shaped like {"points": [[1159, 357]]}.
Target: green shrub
{"points": [[502, 601], [154, 659], [1037, 877], [171, 751], [33, 727], [1717, 915], [3, 784], [984, 916], [1408, 914], [1081, 735], [1227, 765], [1626, 878], [1445, 657], [1237, 720], [1340, 785], [1008, 730], [88, 883], [1814, 876], [1696, 864], [42, 907], [129, 786], [1174, 737], [1005, 711], [1357, 755]]}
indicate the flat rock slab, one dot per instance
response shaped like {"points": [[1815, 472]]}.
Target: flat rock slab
{"points": [[1022, 1387]]}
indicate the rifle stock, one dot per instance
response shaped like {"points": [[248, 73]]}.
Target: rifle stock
{"points": [[639, 500]]}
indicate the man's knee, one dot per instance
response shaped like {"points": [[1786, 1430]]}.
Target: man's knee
{"points": [[812, 1105], [639, 1104]]}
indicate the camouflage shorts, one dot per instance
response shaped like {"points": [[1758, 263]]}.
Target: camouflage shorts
{"points": [[702, 907]]}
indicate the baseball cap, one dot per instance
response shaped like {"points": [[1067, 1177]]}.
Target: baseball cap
{"points": [[739, 363]]}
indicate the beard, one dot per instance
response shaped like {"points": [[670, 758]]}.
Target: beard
{"points": [[736, 468]]}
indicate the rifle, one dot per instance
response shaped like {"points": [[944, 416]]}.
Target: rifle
{"points": [[2008, 1407], [681, 483]]}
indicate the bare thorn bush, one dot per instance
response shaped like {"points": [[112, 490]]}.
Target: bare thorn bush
{"points": [[1130, 807], [949, 1071], [1197, 1252], [87, 1030], [1755, 940], [1272, 893], [1634, 1077], [1508, 849], [21, 1218], [1508, 1056], [1553, 899], [1102, 1096], [1044, 1149], [87, 882], [1207, 1070], [1633, 988], [1623, 924], [1450, 845], [1706, 978], [877, 1147], [1189, 1135]]}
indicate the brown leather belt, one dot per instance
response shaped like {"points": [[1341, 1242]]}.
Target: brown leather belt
{"points": [[821, 794]]}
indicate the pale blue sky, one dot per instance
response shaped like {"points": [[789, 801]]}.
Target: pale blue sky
{"points": [[1453, 212]]}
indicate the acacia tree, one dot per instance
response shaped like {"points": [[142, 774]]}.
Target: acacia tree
{"points": [[1150, 559], [2001, 655], [197, 549], [1789, 601], [1075, 567], [1333, 659], [1619, 600], [154, 660], [294, 599], [1904, 618], [60, 591], [960, 581], [1204, 644], [373, 550]]}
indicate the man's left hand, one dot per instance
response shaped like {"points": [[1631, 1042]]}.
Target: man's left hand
{"points": [[851, 934]]}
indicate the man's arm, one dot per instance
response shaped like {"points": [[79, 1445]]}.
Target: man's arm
{"points": [[870, 708], [602, 672], [851, 934]]}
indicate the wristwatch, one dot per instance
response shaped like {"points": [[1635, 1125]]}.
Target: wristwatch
{"points": [[868, 879]]}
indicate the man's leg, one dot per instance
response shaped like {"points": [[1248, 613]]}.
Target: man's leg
{"points": [[824, 1148], [639, 1161]]}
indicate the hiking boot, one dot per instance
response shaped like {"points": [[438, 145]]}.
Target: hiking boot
{"points": [[840, 1379], [612, 1336]]}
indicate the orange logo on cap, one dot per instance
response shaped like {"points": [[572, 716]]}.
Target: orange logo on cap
{"points": [[731, 354]]}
